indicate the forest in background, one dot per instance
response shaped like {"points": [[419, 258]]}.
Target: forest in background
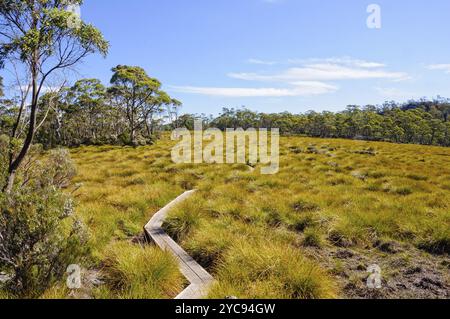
{"points": [[90, 113], [423, 121]]}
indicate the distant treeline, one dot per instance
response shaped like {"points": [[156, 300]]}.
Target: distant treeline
{"points": [[416, 122], [133, 109]]}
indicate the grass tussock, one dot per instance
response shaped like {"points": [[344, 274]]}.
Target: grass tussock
{"points": [[243, 226], [134, 272], [271, 271]]}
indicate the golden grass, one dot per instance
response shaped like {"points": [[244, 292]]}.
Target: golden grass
{"points": [[251, 230], [116, 191], [141, 273]]}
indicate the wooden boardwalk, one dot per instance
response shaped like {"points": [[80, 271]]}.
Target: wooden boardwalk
{"points": [[200, 280]]}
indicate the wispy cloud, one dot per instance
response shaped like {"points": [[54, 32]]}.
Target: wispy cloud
{"points": [[261, 62], [327, 70], [440, 67], [297, 89], [348, 61], [308, 77]]}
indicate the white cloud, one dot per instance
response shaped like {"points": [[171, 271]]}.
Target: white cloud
{"points": [[302, 88], [323, 72], [348, 61], [308, 77], [261, 62], [441, 67]]}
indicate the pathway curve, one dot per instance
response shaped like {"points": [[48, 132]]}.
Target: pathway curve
{"points": [[200, 280]]}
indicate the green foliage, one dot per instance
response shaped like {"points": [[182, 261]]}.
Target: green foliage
{"points": [[51, 27], [46, 38], [417, 122], [127, 113], [134, 76], [40, 236], [140, 97]]}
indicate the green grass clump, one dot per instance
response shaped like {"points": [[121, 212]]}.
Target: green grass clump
{"points": [[302, 222], [183, 220], [438, 241], [209, 250], [242, 225], [269, 271], [135, 272], [312, 238]]}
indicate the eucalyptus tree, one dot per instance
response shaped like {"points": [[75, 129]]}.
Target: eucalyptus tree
{"points": [[44, 37], [152, 110], [173, 110], [87, 102], [139, 95]]}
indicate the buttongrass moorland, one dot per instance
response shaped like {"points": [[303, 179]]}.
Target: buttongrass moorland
{"points": [[310, 231]]}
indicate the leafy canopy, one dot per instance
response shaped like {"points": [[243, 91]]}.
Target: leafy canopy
{"points": [[38, 30]]}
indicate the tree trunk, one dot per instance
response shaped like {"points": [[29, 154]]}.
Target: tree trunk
{"points": [[15, 164], [149, 129], [10, 183], [133, 135]]}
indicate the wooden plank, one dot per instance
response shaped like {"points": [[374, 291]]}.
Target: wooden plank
{"points": [[200, 280]]}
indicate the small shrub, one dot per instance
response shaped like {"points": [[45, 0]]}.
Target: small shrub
{"points": [[39, 240], [39, 237], [41, 170], [59, 168]]}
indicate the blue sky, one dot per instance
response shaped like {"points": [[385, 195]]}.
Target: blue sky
{"points": [[277, 55]]}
